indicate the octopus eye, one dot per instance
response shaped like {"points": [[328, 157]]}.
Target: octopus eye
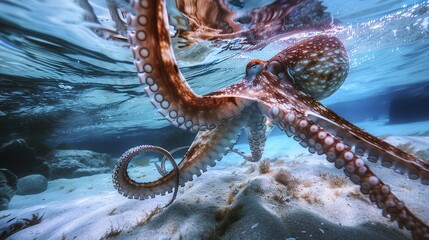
{"points": [[253, 68]]}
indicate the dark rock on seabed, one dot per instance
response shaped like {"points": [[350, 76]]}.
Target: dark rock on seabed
{"points": [[20, 159], [78, 163], [7, 187]]}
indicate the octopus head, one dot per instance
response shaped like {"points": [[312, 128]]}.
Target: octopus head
{"points": [[317, 66], [253, 68]]}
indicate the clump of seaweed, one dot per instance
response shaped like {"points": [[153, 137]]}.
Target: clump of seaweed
{"points": [[112, 212], [21, 224], [335, 181], [279, 198], [323, 175], [310, 197], [337, 193], [221, 213], [264, 166], [242, 184], [149, 216], [287, 179], [231, 195], [113, 232], [307, 183], [258, 189], [284, 177], [225, 218]]}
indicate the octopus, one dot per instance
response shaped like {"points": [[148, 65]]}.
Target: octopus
{"points": [[283, 92]]}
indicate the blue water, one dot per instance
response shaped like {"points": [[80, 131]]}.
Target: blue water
{"points": [[67, 81], [64, 82]]}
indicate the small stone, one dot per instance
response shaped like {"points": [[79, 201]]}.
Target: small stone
{"points": [[32, 184]]}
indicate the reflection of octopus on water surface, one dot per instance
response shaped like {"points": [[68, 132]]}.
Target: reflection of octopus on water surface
{"points": [[283, 91], [216, 20], [220, 20]]}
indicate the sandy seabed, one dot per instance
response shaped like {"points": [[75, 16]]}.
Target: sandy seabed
{"points": [[302, 196]]}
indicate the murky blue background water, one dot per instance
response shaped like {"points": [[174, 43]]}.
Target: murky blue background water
{"points": [[62, 81]]}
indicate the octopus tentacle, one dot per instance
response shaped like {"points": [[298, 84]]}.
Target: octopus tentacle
{"points": [[257, 135], [130, 188], [372, 148], [317, 139], [291, 115], [258, 129], [208, 146], [161, 168], [166, 87], [211, 145], [247, 157], [364, 144]]}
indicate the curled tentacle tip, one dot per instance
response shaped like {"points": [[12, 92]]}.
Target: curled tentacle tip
{"points": [[161, 170], [130, 188]]}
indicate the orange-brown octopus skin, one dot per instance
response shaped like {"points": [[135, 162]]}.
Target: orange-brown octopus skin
{"points": [[285, 90]]}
